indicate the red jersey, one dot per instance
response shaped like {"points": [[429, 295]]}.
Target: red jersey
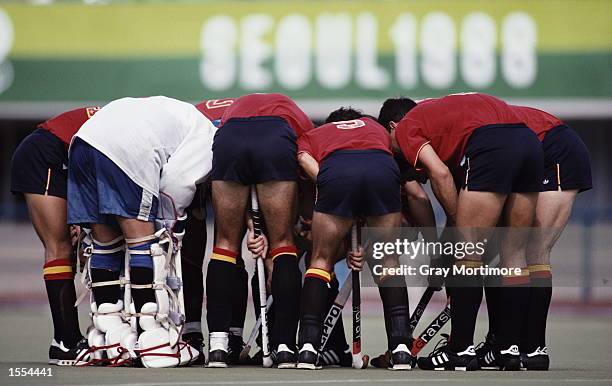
{"points": [[65, 125], [539, 121], [271, 105], [213, 109], [446, 124], [357, 134]]}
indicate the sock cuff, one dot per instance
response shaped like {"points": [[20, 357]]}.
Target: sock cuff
{"points": [[286, 250], [540, 271], [318, 274], [58, 269], [224, 255], [516, 280]]}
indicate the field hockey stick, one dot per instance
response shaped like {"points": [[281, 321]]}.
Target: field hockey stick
{"points": [[246, 350], [420, 308], [430, 331], [261, 277], [359, 362], [335, 312]]}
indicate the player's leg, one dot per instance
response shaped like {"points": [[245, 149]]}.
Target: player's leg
{"points": [[278, 202], [514, 290], [552, 214], [192, 259], [477, 211], [229, 203], [328, 232], [48, 216], [394, 296], [240, 296]]}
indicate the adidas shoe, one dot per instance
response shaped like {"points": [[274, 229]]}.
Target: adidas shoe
{"points": [[537, 360], [443, 358], [196, 340], [510, 359], [401, 358], [308, 358], [217, 359], [285, 357], [337, 358], [62, 356], [488, 354], [235, 346]]}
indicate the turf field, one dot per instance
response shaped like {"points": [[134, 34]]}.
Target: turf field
{"points": [[580, 346], [579, 337]]}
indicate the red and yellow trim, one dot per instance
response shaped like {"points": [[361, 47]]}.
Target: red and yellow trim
{"points": [[59, 269], [468, 263], [319, 274], [224, 255], [540, 271], [515, 280], [286, 250]]}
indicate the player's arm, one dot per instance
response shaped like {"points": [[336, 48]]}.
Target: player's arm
{"points": [[309, 165], [442, 182], [420, 210]]}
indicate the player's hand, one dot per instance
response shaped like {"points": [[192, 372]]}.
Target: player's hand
{"points": [[75, 233], [354, 259], [257, 245]]}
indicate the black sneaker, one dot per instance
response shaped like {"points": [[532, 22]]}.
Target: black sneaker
{"points": [[308, 358], [337, 358], [285, 357], [536, 361], [488, 354], [196, 340], [401, 358], [236, 344], [510, 359], [382, 361], [443, 358], [217, 359], [62, 356]]}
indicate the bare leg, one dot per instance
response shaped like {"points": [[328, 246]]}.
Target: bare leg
{"points": [[278, 202], [229, 202], [48, 216], [328, 233]]}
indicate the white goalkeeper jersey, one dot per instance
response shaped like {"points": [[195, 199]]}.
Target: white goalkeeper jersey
{"points": [[164, 145]]}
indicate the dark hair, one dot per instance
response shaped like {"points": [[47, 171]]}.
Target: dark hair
{"points": [[394, 109], [344, 114]]}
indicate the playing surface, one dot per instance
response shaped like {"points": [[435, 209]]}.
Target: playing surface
{"points": [[580, 346]]}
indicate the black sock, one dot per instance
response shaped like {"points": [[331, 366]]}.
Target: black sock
{"points": [[313, 306], [492, 294], [466, 296], [514, 300], [239, 298], [337, 338], [540, 294], [220, 283], [192, 260], [286, 288], [62, 296], [142, 276], [106, 293], [394, 296]]}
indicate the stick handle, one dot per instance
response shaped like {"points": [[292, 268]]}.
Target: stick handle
{"points": [[357, 359], [261, 277]]}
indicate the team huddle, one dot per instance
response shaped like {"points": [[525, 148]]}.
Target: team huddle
{"points": [[123, 189]]}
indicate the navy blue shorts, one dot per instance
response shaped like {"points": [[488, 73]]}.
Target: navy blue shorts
{"points": [[354, 183], [40, 165], [567, 164], [98, 190], [255, 150], [503, 159]]}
